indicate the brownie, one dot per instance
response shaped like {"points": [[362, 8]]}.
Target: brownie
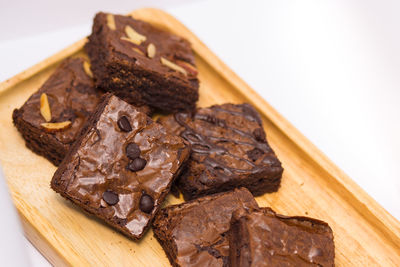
{"points": [[229, 150], [122, 166], [142, 64], [72, 97], [194, 233], [264, 238]]}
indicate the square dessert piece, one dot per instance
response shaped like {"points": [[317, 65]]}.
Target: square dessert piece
{"points": [[122, 167], [264, 238], [142, 64], [229, 149], [52, 118], [194, 233]]}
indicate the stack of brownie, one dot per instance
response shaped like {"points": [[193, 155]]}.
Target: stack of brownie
{"points": [[91, 118]]}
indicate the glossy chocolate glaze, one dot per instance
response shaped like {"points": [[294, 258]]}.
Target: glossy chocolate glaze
{"points": [[264, 238], [72, 97], [194, 233], [229, 149], [98, 163]]}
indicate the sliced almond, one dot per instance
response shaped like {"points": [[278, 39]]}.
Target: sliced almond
{"points": [[138, 50], [127, 39], [56, 126], [151, 50], [134, 48], [45, 107], [173, 66], [187, 66], [86, 67], [134, 36], [111, 22]]}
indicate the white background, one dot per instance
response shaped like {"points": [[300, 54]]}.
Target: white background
{"points": [[330, 67]]}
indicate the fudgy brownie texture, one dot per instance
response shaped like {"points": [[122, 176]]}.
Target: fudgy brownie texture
{"points": [[122, 167], [142, 64], [263, 238], [194, 233], [72, 97], [229, 149]]}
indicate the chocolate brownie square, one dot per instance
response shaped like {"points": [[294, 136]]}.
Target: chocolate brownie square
{"points": [[51, 119], [194, 233], [229, 149], [122, 167], [264, 238], [142, 64]]}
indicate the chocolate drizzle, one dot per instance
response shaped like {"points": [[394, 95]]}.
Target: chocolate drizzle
{"points": [[229, 150], [208, 146]]}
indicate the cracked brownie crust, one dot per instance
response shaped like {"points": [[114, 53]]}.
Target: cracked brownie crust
{"points": [[194, 233], [264, 238], [229, 150], [142, 64], [122, 167]]}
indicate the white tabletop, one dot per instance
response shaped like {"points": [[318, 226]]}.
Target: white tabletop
{"points": [[330, 67]]}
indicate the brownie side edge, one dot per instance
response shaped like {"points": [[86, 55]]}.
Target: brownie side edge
{"points": [[160, 229], [238, 245], [43, 144]]}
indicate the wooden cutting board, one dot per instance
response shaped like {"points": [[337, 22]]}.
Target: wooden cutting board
{"points": [[365, 234]]}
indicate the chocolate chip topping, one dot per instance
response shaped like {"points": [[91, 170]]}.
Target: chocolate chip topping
{"points": [[110, 197], [259, 134], [109, 174], [132, 151], [254, 154], [124, 124], [146, 203], [137, 164]]}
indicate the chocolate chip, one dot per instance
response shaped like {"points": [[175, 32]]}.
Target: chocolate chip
{"points": [[132, 151], [137, 164], [124, 124], [259, 134], [146, 203], [120, 221], [110, 197], [254, 154], [211, 119]]}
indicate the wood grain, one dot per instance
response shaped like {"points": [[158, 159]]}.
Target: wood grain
{"points": [[365, 234]]}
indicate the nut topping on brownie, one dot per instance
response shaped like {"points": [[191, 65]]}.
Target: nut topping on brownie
{"points": [[52, 118], [142, 64]]}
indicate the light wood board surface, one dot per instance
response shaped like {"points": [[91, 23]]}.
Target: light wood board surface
{"points": [[365, 234]]}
